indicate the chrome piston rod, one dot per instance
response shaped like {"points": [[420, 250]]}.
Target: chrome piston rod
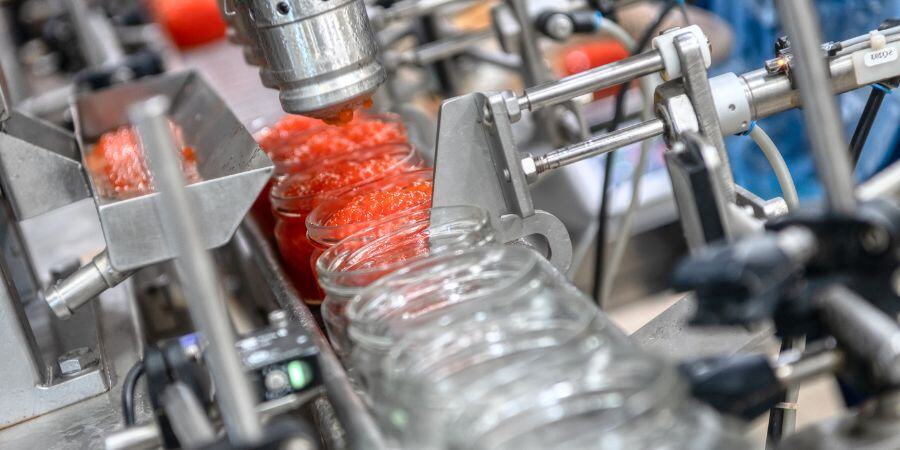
{"points": [[599, 145], [767, 94], [556, 92]]}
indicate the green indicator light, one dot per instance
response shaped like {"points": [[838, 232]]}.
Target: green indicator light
{"points": [[299, 373]]}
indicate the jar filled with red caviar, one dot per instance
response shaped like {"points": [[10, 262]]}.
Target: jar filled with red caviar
{"points": [[365, 206], [294, 196], [296, 143], [345, 269]]}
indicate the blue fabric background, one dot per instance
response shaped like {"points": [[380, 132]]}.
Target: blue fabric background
{"points": [[756, 27]]}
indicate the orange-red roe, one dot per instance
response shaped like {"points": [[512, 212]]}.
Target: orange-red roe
{"points": [[300, 149], [380, 204], [337, 175], [118, 169]]}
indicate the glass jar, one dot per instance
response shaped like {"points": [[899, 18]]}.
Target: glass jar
{"points": [[296, 195], [435, 374], [353, 210], [295, 143], [475, 285], [624, 402], [364, 257], [300, 151]]}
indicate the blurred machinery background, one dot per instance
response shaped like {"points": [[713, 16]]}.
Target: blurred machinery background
{"points": [[683, 164]]}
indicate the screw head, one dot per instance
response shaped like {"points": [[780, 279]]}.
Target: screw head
{"points": [[77, 360]]}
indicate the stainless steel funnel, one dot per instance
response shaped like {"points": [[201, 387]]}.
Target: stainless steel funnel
{"points": [[233, 168]]}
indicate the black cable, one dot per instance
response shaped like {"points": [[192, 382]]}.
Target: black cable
{"points": [[128, 388], [603, 216], [866, 121]]}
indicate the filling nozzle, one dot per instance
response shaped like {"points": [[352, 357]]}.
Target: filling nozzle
{"points": [[321, 55]]}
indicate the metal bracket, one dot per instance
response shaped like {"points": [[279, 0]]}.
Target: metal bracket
{"points": [[696, 84], [477, 163], [39, 168], [692, 165]]}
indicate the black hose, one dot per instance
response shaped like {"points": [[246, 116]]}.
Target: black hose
{"points": [[866, 121], [603, 216], [128, 388]]}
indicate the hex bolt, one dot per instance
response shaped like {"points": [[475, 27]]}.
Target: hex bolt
{"points": [[77, 360]]}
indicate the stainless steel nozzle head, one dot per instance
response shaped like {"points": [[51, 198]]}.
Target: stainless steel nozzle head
{"points": [[321, 55]]}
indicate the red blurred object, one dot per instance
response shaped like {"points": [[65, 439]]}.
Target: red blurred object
{"points": [[584, 57], [189, 22]]}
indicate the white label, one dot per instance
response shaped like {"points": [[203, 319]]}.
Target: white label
{"points": [[879, 57], [872, 66]]}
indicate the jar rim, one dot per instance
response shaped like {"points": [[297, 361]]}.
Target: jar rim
{"points": [[282, 201], [315, 221], [364, 318], [335, 259]]}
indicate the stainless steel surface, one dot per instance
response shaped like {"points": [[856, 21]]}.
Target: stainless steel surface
{"points": [[772, 94], [808, 367], [864, 330], [696, 83], [886, 184], [187, 416], [477, 162], [599, 145], [322, 54], [39, 170], [137, 437], [670, 335], [32, 383], [823, 122], [362, 432], [241, 31], [82, 424], [12, 77], [85, 284], [534, 69], [204, 292], [439, 50], [232, 167], [77, 360], [593, 80]]}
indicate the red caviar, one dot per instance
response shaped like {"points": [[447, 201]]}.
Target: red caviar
{"points": [[295, 142], [301, 149], [368, 206], [380, 204], [295, 195], [118, 169]]}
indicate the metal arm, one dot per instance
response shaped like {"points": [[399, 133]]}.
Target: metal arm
{"points": [[822, 118]]}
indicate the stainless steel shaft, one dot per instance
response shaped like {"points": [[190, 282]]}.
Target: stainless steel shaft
{"points": [[623, 71], [864, 330], [205, 298], [599, 145], [823, 123], [85, 284]]}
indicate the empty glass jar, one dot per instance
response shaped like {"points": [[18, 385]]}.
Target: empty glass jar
{"points": [[493, 348], [364, 257]]}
